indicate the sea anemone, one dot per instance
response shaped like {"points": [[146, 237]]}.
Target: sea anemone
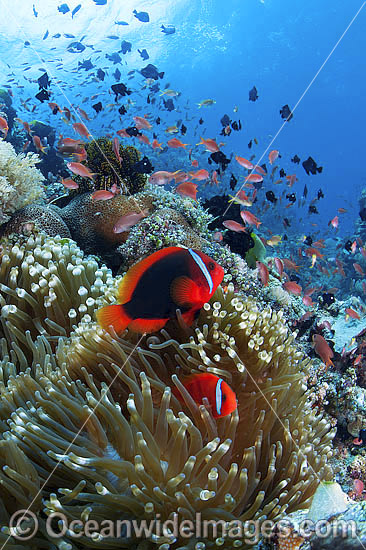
{"points": [[99, 414]]}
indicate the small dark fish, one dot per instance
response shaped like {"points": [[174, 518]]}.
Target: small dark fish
{"points": [[120, 89], [144, 166], [75, 47], [320, 194], [362, 214], [183, 129], [150, 71], [120, 23], [282, 173], [42, 96], [133, 132], [45, 35], [295, 159], [69, 35], [286, 223], [115, 57], [233, 182], [125, 46], [43, 81], [112, 37], [122, 110], [64, 8], [201, 121], [142, 16], [225, 121], [35, 13], [143, 53], [26, 43], [253, 94], [168, 29], [286, 113], [100, 2], [100, 74], [313, 209], [158, 120], [291, 197], [117, 74], [86, 65], [168, 104], [219, 158], [75, 10], [56, 35], [271, 197], [97, 107], [311, 167], [250, 144], [236, 125], [308, 241], [155, 88], [305, 192]]}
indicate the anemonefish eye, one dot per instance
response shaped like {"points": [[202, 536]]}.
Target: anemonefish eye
{"points": [[211, 266]]}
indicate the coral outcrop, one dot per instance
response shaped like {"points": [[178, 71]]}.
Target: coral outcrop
{"points": [[20, 180]]}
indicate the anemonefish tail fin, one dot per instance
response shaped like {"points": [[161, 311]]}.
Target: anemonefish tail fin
{"points": [[115, 316]]}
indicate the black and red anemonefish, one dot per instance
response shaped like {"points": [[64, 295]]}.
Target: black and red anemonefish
{"points": [[153, 289], [218, 393]]}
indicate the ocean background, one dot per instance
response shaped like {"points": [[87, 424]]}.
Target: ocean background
{"points": [[220, 50]]}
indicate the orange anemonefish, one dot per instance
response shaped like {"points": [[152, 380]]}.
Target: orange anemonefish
{"points": [[219, 394], [154, 288]]}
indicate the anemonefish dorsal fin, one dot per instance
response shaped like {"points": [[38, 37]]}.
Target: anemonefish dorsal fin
{"points": [[128, 284], [184, 291], [113, 315]]}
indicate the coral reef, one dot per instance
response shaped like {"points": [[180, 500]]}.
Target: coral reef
{"points": [[97, 411], [102, 161], [20, 180], [45, 218]]}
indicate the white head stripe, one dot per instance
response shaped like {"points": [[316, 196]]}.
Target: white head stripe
{"points": [[218, 396], [202, 267]]}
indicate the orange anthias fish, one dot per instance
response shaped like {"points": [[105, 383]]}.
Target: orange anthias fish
{"points": [[80, 170], [102, 195], [352, 313], [210, 145], [129, 220], [116, 149], [217, 392], [81, 129], [273, 155], [69, 183], [322, 348], [141, 123], [175, 143], [38, 144], [54, 108], [187, 189], [244, 163], [254, 178], [250, 218], [234, 226], [153, 289], [4, 126], [200, 175], [162, 177]]}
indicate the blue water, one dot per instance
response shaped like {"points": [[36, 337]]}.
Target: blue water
{"points": [[219, 51]]}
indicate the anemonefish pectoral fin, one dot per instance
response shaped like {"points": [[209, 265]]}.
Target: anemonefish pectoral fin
{"points": [[184, 291], [147, 325], [113, 315]]}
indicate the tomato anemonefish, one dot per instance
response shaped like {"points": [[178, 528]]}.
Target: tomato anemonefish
{"points": [[154, 288], [219, 394]]}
